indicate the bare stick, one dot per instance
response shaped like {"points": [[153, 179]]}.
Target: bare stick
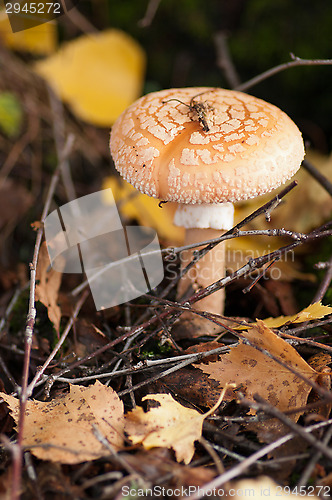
{"points": [[296, 61], [63, 337], [18, 457], [297, 429], [316, 174], [305, 476], [149, 14], [224, 60], [324, 286], [245, 464]]}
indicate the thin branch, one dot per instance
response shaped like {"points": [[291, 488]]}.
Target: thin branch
{"points": [[296, 61], [242, 467], [31, 316], [150, 13], [325, 283], [60, 342], [224, 60], [274, 412], [316, 174]]}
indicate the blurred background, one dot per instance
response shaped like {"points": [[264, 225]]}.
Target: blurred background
{"points": [[74, 75]]}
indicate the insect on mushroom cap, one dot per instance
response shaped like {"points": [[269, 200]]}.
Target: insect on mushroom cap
{"points": [[159, 145]]}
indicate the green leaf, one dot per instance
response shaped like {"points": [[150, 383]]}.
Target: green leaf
{"points": [[11, 114]]}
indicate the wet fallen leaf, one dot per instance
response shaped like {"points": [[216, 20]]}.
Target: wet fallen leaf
{"points": [[98, 75], [48, 287], [169, 425], [61, 430], [255, 372]]}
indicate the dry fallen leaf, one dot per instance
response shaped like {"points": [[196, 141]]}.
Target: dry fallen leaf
{"points": [[314, 311], [98, 75], [170, 425], [61, 430], [48, 287], [255, 372]]}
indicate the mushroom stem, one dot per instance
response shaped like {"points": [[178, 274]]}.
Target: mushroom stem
{"points": [[206, 271]]}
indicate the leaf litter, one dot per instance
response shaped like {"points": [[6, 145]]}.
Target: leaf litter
{"points": [[253, 371], [91, 415], [62, 430]]}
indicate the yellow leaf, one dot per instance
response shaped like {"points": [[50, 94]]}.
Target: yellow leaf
{"points": [[314, 311], [99, 76], [41, 40], [170, 425], [62, 430], [145, 209]]}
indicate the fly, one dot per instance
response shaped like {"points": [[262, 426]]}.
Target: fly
{"points": [[200, 108]]}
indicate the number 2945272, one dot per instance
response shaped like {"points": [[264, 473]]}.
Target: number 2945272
{"points": [[33, 8]]}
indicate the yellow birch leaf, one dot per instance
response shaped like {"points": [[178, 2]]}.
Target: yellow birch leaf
{"points": [[41, 40], [170, 425], [98, 75], [62, 430], [145, 209], [314, 311]]}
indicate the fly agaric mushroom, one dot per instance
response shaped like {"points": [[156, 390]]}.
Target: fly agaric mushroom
{"points": [[205, 148]]}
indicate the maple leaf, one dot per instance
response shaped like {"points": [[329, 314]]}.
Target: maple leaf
{"points": [[256, 372], [169, 425], [61, 430]]}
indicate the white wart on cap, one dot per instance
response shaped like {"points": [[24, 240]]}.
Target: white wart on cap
{"points": [[161, 148]]}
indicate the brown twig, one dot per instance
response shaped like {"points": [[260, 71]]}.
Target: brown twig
{"points": [[224, 60], [150, 13], [60, 342], [316, 174], [31, 316], [296, 61], [242, 467], [264, 406], [325, 283]]}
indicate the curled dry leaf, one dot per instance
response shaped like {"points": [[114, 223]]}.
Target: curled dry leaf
{"points": [[169, 425], [255, 372], [61, 430], [48, 287]]}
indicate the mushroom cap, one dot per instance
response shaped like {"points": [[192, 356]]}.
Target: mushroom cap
{"points": [[161, 147]]}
